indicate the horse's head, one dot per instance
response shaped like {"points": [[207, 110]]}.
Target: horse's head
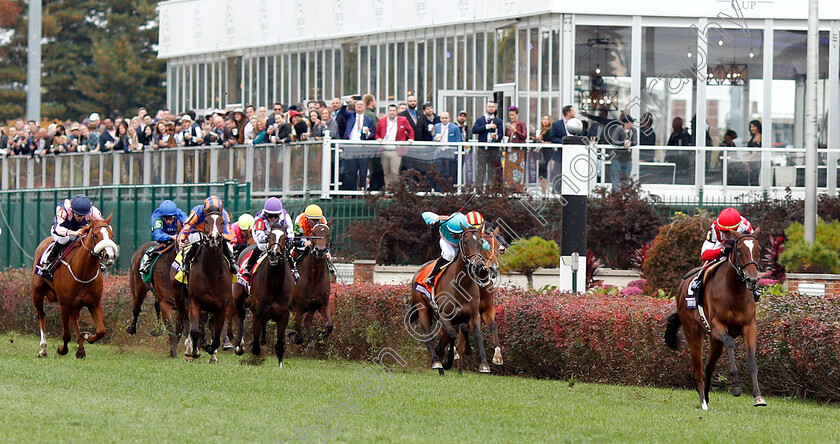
{"points": [[491, 255], [472, 247], [214, 226], [99, 239], [276, 243], [320, 240], [746, 252]]}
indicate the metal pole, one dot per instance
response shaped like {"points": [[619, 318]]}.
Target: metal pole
{"points": [[33, 64], [811, 125]]}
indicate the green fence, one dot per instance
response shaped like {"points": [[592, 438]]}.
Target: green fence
{"points": [[26, 215]]}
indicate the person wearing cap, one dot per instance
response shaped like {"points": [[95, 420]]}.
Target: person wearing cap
{"points": [[272, 213], [718, 244], [70, 217], [166, 222], [93, 132], [237, 133], [622, 135], [191, 131], [242, 232], [450, 228], [300, 130], [304, 223]]}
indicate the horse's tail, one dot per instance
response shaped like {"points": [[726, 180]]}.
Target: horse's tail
{"points": [[672, 326]]}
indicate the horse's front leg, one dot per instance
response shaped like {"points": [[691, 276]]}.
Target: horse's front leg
{"points": [[750, 340], [489, 317], [64, 313], [325, 313], [218, 327], [80, 340], [735, 385], [307, 321], [296, 336], [475, 323]]}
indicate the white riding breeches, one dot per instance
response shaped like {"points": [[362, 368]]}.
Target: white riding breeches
{"points": [[63, 240], [448, 250]]}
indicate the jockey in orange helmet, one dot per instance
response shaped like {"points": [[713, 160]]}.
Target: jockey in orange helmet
{"points": [[195, 224], [304, 223], [717, 245], [476, 220]]}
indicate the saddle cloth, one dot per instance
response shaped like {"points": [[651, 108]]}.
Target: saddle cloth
{"points": [[182, 269], [420, 283], [246, 281], [43, 259]]}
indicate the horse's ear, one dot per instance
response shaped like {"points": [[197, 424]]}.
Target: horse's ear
{"points": [[757, 230], [108, 220], [496, 232], [329, 223], [84, 230]]}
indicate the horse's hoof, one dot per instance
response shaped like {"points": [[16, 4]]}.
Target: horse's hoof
{"points": [[214, 359], [239, 351], [759, 402], [42, 353], [80, 354], [62, 350], [704, 405], [131, 329], [497, 357], [227, 345], [457, 356], [280, 364], [437, 365], [157, 331], [189, 358], [735, 390], [85, 335], [440, 372], [483, 368]]}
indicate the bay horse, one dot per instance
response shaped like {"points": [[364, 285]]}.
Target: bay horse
{"points": [[312, 292], [271, 294], [457, 295], [160, 286], [208, 288], [730, 309], [76, 283]]}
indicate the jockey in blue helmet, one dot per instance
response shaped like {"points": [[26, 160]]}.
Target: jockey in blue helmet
{"points": [[450, 228], [165, 222]]}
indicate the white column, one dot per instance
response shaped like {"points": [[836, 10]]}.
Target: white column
{"points": [[833, 106], [567, 72], [636, 88], [702, 64], [767, 111]]}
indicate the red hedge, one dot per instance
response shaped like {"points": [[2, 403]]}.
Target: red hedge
{"points": [[550, 335]]}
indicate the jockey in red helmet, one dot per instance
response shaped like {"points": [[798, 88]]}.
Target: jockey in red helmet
{"points": [[717, 245]]}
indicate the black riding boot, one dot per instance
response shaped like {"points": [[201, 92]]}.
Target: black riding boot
{"points": [[147, 265], [229, 255], [293, 267], [756, 295], [439, 263], [252, 260], [52, 259]]}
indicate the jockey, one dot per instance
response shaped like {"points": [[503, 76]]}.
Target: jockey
{"points": [[717, 245], [242, 232], [272, 212], [450, 228], [165, 224], [304, 222], [477, 221], [195, 224], [70, 217]]}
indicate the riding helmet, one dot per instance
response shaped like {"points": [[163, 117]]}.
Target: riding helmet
{"points": [[273, 206], [729, 219], [246, 221], [80, 205], [313, 212], [168, 208], [212, 202], [475, 219]]}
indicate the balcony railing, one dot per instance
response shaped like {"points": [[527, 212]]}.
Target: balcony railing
{"points": [[320, 168]]}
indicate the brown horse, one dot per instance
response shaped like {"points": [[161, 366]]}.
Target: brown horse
{"points": [[208, 288], [457, 295], [271, 293], [312, 292], [487, 283], [160, 286], [77, 283], [730, 310]]}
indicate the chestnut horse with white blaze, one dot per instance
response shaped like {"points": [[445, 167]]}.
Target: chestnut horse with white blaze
{"points": [[729, 307], [76, 284], [312, 292]]}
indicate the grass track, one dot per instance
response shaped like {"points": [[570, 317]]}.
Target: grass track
{"points": [[138, 395]]}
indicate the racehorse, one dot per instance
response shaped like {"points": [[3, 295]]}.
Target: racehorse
{"points": [[487, 286], [457, 296], [312, 292], [160, 286], [76, 283], [730, 312], [208, 288], [271, 293]]}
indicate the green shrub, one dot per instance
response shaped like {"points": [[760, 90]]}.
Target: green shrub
{"points": [[819, 257], [527, 256], [675, 251]]}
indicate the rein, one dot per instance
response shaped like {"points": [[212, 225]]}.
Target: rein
{"points": [[92, 253], [739, 268]]}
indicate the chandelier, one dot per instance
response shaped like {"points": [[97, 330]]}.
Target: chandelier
{"points": [[733, 75], [597, 99]]}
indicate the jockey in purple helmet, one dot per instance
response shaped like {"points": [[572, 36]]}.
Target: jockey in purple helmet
{"points": [[272, 212]]}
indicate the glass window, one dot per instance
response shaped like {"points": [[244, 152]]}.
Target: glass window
{"points": [[480, 62], [523, 58], [294, 70], [469, 54], [505, 55], [270, 93], [364, 73], [399, 60], [440, 65], [533, 59], [556, 60], [420, 71], [546, 64], [430, 72], [329, 82], [450, 59]]}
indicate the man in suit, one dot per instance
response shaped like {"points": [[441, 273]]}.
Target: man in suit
{"points": [[393, 128], [426, 123], [622, 137], [410, 112], [355, 158], [377, 175], [445, 162], [556, 135], [466, 131], [488, 128]]}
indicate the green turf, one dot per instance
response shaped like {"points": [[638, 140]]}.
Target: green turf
{"points": [[139, 395]]}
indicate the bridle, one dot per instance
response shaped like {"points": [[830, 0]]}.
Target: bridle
{"points": [[98, 251], [734, 260], [475, 261], [320, 253], [213, 242]]}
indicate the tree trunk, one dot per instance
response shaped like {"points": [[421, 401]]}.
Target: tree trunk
{"points": [[530, 276]]}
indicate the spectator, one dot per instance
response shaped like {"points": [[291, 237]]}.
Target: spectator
{"points": [[647, 137], [262, 136], [516, 130], [335, 107], [133, 139], [276, 116], [237, 133], [488, 128], [446, 131], [316, 126], [108, 137], [122, 140], [463, 126], [262, 113], [755, 134], [393, 128], [401, 107], [148, 137], [679, 135], [330, 124], [359, 127], [377, 175], [300, 130], [597, 124], [83, 142], [168, 139], [426, 123], [216, 135], [280, 131], [146, 123], [191, 131], [4, 141], [251, 129], [729, 138], [411, 114], [344, 112], [250, 111], [622, 137]]}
